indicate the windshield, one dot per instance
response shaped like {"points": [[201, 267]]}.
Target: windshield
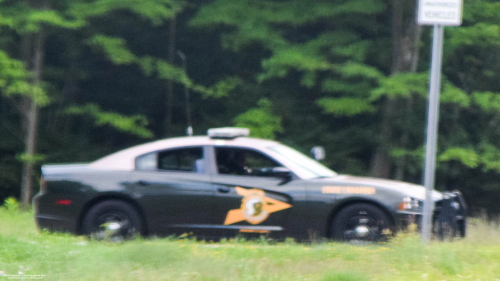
{"points": [[308, 165]]}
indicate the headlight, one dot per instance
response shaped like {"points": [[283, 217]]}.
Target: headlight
{"points": [[410, 204]]}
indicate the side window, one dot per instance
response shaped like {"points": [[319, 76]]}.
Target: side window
{"points": [[146, 162], [239, 161], [184, 159]]}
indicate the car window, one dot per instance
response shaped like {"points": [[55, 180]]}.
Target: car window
{"points": [[183, 159], [146, 162], [239, 161], [309, 167], [180, 159]]}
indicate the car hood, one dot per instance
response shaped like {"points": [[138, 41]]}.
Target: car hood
{"points": [[409, 189]]}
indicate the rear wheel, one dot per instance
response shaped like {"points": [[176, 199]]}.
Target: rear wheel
{"points": [[112, 220], [361, 222]]}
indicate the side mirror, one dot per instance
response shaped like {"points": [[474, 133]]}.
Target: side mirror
{"points": [[318, 153], [280, 172], [283, 173]]}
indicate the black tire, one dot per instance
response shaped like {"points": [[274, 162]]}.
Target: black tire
{"points": [[112, 220], [361, 222]]}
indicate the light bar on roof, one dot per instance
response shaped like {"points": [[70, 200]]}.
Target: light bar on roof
{"points": [[228, 133]]}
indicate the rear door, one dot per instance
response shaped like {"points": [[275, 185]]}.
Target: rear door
{"points": [[174, 189], [248, 199]]}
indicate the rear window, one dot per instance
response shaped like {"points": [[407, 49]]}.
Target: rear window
{"points": [[183, 159]]}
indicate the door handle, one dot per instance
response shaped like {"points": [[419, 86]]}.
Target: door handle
{"points": [[143, 183], [223, 189]]}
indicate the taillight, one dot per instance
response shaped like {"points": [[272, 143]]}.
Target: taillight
{"points": [[63, 202]]}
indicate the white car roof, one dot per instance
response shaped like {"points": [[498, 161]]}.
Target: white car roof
{"points": [[125, 159]]}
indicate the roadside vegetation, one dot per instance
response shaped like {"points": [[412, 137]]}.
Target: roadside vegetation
{"points": [[24, 251], [80, 79]]}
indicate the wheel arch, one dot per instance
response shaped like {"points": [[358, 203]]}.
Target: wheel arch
{"points": [[107, 197], [353, 201]]}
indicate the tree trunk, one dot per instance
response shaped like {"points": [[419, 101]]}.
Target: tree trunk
{"points": [[405, 38], [170, 83], [30, 150], [33, 61]]}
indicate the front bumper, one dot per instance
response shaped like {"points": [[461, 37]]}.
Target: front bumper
{"points": [[449, 218]]}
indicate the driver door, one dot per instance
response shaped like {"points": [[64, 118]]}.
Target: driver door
{"points": [[248, 197]]}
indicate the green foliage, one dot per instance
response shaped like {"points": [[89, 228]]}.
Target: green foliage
{"points": [[483, 10], [221, 88], [15, 80], [346, 87], [10, 204], [487, 157], [135, 125], [356, 50], [412, 158], [453, 94], [353, 69], [168, 72], [115, 48], [324, 67], [147, 65], [162, 69], [10, 69], [25, 19], [284, 60], [261, 121], [6, 21], [490, 157], [480, 34], [487, 101], [345, 106], [292, 12], [36, 18], [406, 84], [31, 158], [157, 11], [467, 157], [402, 85]]}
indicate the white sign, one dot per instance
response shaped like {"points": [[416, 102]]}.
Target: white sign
{"points": [[443, 12]]}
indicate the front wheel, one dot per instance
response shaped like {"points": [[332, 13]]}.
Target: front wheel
{"points": [[361, 222], [112, 220]]}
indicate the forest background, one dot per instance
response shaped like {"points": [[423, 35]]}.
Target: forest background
{"points": [[80, 79]]}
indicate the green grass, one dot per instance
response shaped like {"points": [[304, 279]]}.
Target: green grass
{"points": [[67, 257]]}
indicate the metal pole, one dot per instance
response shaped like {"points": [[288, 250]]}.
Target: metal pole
{"points": [[189, 130], [432, 130]]}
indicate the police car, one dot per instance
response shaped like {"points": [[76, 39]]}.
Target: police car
{"points": [[223, 185]]}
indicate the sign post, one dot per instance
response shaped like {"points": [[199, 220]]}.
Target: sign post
{"points": [[437, 13]]}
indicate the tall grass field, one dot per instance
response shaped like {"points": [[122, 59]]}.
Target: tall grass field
{"points": [[27, 254]]}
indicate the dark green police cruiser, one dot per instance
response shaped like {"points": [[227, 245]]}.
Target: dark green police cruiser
{"points": [[226, 184]]}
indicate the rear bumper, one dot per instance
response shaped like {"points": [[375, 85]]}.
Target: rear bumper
{"points": [[55, 224], [49, 218]]}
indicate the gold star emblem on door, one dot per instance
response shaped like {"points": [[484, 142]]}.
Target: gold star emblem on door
{"points": [[255, 207]]}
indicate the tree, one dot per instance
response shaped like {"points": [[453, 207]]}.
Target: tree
{"points": [[33, 22], [327, 55]]}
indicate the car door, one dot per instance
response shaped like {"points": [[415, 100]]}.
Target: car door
{"points": [[174, 189], [248, 197]]}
